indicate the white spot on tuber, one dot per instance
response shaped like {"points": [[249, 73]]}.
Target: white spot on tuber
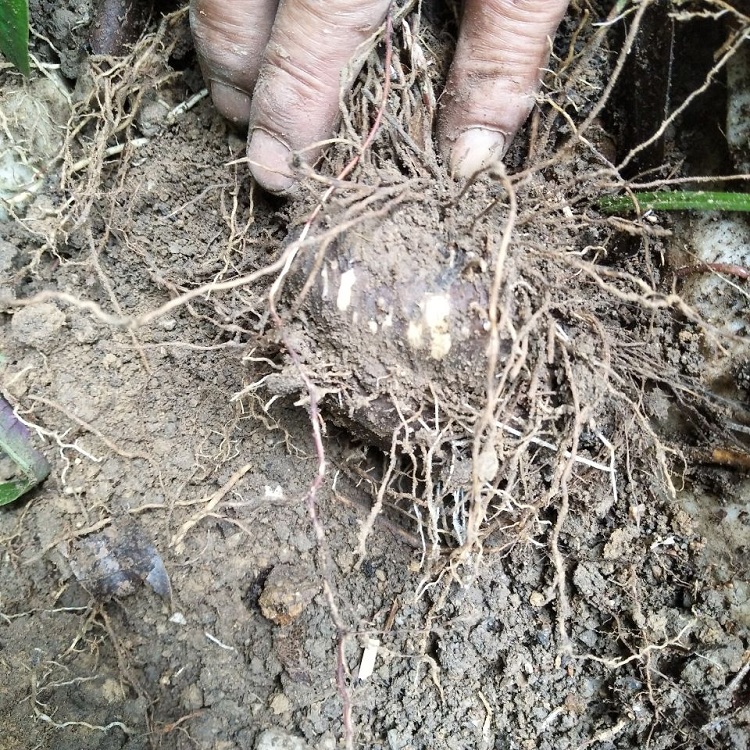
{"points": [[434, 325], [344, 298], [414, 334], [437, 312], [324, 277]]}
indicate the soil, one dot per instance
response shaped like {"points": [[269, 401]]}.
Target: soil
{"points": [[257, 488]]}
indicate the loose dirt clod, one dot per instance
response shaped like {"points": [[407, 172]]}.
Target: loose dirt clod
{"points": [[38, 326]]}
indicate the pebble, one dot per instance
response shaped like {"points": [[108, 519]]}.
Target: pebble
{"points": [[275, 739], [288, 590], [281, 704]]}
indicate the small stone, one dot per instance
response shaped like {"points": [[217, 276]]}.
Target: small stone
{"points": [[280, 704], [275, 739], [537, 599], [191, 698], [152, 116], [288, 590], [488, 464]]}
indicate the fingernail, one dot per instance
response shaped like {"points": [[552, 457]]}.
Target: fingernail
{"points": [[233, 103], [476, 149], [269, 159]]}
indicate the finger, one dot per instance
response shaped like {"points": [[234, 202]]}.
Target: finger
{"points": [[501, 49], [230, 37], [296, 100]]}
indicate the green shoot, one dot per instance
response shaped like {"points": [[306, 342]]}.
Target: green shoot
{"points": [[15, 442], [697, 200]]}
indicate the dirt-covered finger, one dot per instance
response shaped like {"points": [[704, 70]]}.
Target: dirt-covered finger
{"points": [[230, 38], [501, 49], [296, 99]]}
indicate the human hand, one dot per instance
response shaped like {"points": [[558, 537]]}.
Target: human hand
{"points": [[276, 67]]}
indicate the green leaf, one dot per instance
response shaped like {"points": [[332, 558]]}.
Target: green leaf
{"points": [[15, 442], [14, 33], [688, 200], [12, 490]]}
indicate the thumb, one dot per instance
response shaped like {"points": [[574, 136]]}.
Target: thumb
{"points": [[495, 74]]}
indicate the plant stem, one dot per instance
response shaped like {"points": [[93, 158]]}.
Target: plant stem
{"points": [[696, 200]]}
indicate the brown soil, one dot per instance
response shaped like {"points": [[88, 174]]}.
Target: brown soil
{"points": [[472, 458]]}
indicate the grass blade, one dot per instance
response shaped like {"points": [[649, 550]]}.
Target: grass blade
{"points": [[696, 200], [14, 33]]}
